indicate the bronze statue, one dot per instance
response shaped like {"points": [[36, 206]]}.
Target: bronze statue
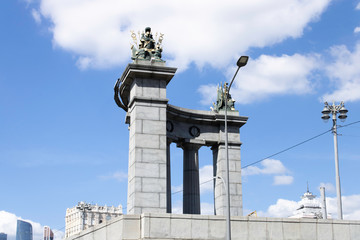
{"points": [[221, 99], [148, 48]]}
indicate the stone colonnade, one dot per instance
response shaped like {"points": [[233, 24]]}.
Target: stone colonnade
{"points": [[192, 129], [154, 125]]}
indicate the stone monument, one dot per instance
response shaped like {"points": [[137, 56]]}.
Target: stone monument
{"points": [[153, 126]]}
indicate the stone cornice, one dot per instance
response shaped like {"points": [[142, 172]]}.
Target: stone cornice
{"points": [[209, 117]]}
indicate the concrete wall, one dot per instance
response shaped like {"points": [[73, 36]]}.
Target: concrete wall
{"points": [[201, 227]]}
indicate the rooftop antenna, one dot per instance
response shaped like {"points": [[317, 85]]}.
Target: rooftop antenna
{"points": [[307, 184]]}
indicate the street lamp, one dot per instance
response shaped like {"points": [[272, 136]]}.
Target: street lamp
{"points": [[240, 63], [334, 110]]}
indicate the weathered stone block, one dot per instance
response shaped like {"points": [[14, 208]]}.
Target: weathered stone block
{"points": [[151, 88], [150, 170], [355, 231], [239, 229], [146, 112], [257, 229], [145, 225], [200, 228], [274, 229], [154, 127], [162, 201], [162, 169], [134, 185], [341, 230], [137, 127], [324, 230], [291, 229], [181, 228], [154, 185], [217, 228], [150, 155], [147, 141], [162, 113], [160, 227], [308, 230], [146, 199], [153, 210], [131, 227]]}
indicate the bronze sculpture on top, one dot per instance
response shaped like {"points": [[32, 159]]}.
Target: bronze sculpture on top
{"points": [[221, 100], [148, 48]]}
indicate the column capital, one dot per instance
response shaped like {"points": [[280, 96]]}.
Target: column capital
{"points": [[189, 146]]}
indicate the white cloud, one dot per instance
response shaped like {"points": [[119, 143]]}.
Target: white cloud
{"points": [[329, 187], [206, 177], [296, 74], [283, 180], [351, 206], [282, 208], [286, 208], [118, 175], [36, 15], [269, 166], [84, 62], [177, 207], [267, 76], [8, 223], [207, 208], [344, 72], [98, 30], [357, 29], [358, 6]]}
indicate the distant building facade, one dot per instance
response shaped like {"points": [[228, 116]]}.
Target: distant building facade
{"points": [[24, 230], [3, 236], [85, 215], [48, 233], [309, 207]]}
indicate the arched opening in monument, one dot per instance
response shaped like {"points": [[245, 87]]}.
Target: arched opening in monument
{"points": [[206, 182]]}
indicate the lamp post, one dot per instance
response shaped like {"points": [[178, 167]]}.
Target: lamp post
{"points": [[334, 110], [240, 63]]}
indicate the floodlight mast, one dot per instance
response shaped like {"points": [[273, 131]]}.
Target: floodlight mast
{"points": [[334, 110], [240, 63]]}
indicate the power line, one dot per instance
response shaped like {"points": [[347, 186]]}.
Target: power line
{"points": [[312, 138], [55, 231], [286, 149], [341, 126], [173, 193]]}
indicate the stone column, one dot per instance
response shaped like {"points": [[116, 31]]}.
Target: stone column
{"points": [[168, 178], [235, 180], [191, 185], [215, 151], [144, 93]]}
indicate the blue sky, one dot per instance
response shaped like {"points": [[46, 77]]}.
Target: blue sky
{"points": [[64, 140]]}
